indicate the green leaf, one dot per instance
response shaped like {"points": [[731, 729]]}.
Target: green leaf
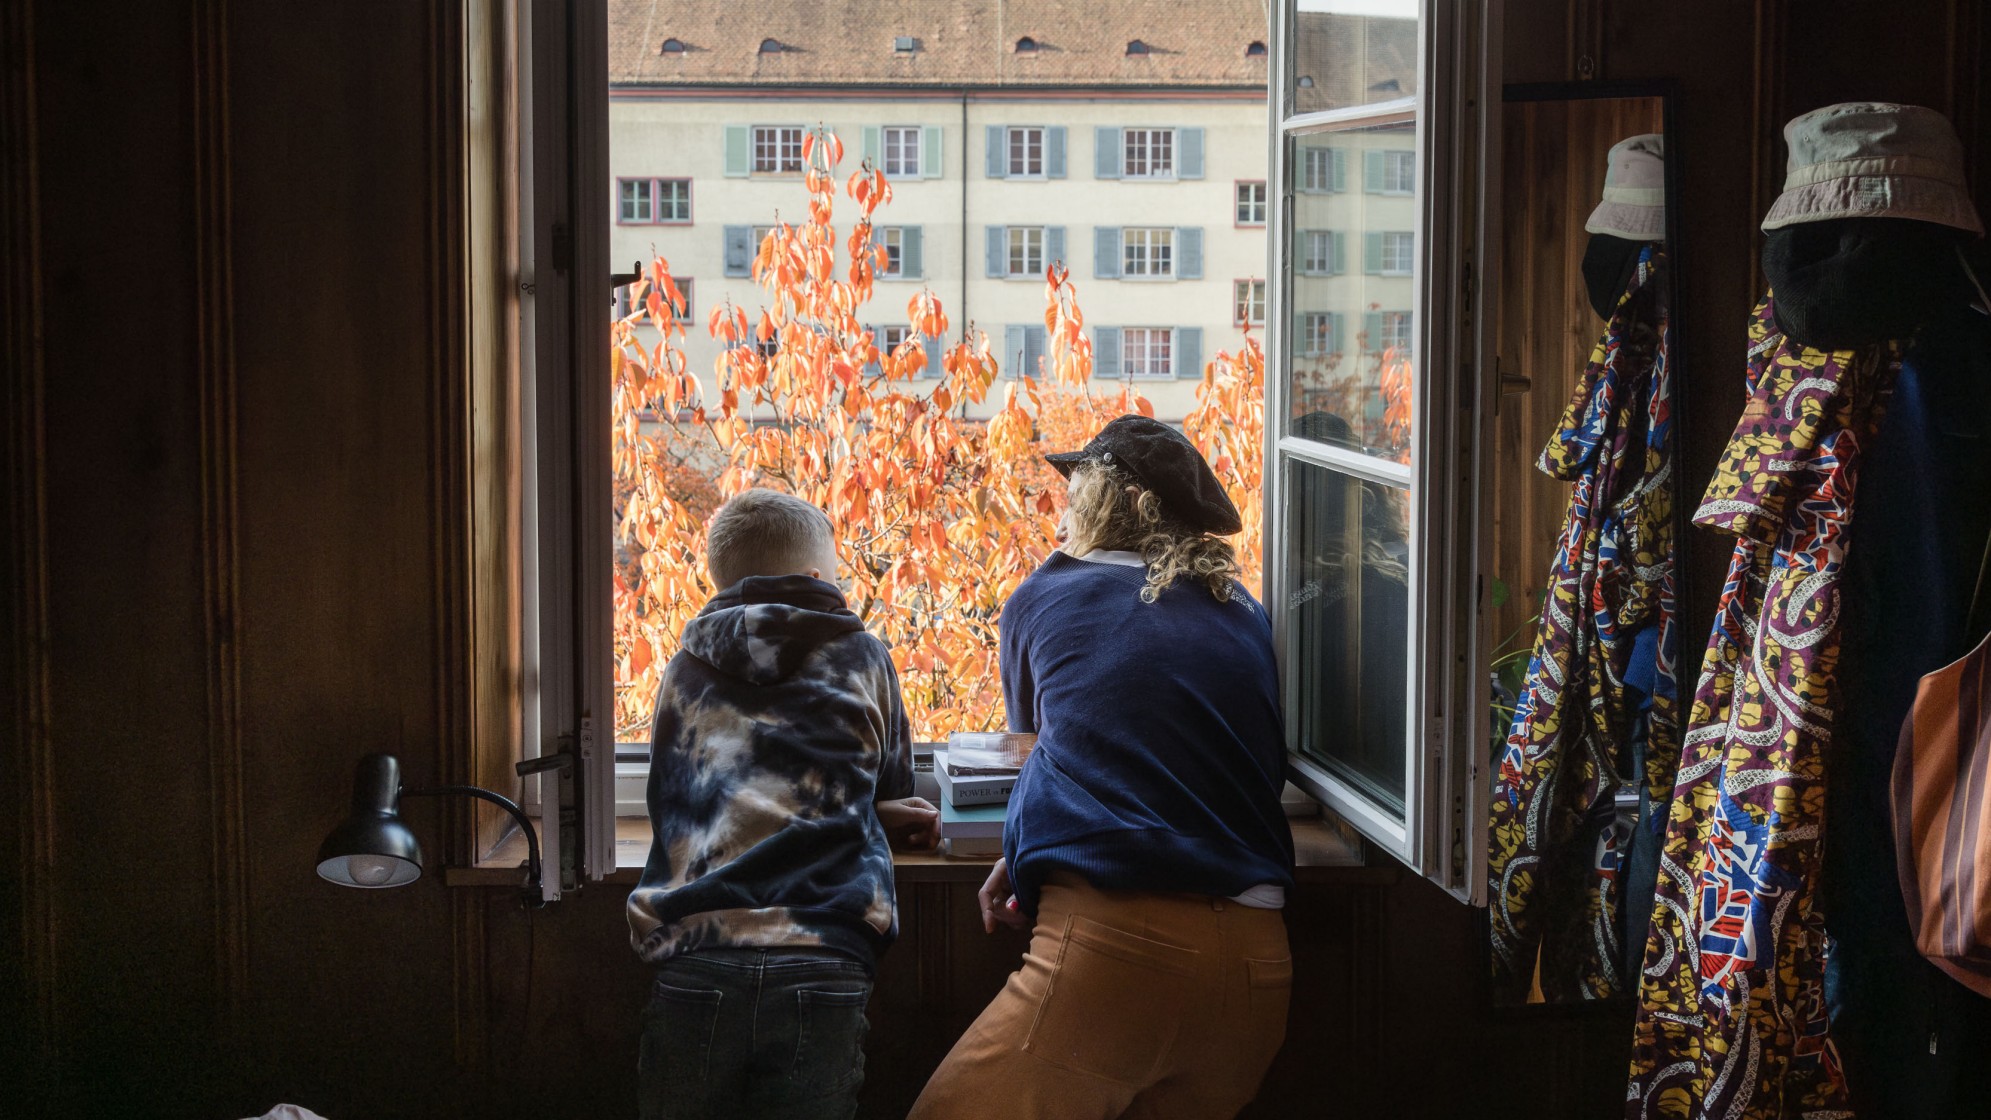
{"points": [[1500, 595]]}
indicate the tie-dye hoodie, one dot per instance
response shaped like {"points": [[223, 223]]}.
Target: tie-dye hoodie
{"points": [[779, 723]]}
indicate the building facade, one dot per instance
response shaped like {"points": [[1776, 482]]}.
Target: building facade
{"points": [[1125, 139]]}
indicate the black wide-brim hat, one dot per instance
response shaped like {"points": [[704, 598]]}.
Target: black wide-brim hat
{"points": [[1163, 460]]}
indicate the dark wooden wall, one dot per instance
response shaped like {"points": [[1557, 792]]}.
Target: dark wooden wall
{"points": [[233, 562]]}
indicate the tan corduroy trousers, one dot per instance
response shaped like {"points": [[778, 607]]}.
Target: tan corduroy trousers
{"points": [[1144, 1006]]}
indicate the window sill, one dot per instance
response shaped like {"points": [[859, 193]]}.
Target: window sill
{"points": [[1322, 853]]}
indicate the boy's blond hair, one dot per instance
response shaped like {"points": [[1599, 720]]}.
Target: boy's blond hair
{"points": [[767, 533]]}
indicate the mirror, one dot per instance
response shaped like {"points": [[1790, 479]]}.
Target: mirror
{"points": [[1578, 550]]}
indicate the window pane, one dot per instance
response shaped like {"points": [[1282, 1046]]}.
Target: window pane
{"points": [[1348, 622], [1354, 264], [1343, 59]]}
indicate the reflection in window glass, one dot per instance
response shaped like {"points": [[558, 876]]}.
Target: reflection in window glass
{"points": [[1026, 250], [1026, 151], [1250, 204], [1148, 351], [901, 152], [1347, 608], [1354, 272], [1148, 252], [1248, 303], [1150, 153], [1351, 54]]}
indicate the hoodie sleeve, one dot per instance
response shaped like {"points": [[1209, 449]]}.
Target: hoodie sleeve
{"points": [[895, 764]]}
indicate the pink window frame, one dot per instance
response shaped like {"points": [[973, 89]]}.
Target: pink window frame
{"points": [[1246, 322], [656, 199]]}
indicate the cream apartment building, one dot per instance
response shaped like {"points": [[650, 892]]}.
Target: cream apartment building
{"points": [[1125, 139]]}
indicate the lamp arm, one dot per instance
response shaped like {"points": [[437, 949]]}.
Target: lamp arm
{"points": [[509, 806]]}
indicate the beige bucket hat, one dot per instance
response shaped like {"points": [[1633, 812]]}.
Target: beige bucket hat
{"points": [[1634, 205], [1874, 160]]}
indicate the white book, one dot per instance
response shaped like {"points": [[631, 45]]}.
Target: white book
{"points": [[982, 789]]}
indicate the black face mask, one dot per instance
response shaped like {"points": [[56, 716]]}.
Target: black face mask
{"points": [[1853, 282], [1608, 263]]}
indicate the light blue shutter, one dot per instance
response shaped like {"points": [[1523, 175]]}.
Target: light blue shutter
{"points": [[1336, 342], [738, 157], [1189, 253], [873, 149], [997, 162], [739, 250], [1054, 152], [1372, 252], [1189, 153], [1106, 253], [1189, 351], [1033, 350], [1015, 343], [1372, 172], [1339, 243], [935, 348], [1372, 331], [1106, 153], [1054, 244], [998, 241], [930, 166], [912, 265], [1106, 351], [1339, 158]]}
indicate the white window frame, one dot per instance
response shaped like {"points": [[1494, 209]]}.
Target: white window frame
{"points": [[1317, 169], [893, 240], [1440, 832], [1398, 253], [1247, 303], [772, 150], [1396, 330], [886, 340], [895, 164], [1147, 253], [1023, 251], [1152, 150], [1023, 144], [1157, 353], [1243, 206], [1311, 330], [1317, 256], [1399, 172]]}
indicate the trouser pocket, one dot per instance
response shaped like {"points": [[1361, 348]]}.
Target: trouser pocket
{"points": [[674, 1064], [1114, 1003], [829, 1038]]}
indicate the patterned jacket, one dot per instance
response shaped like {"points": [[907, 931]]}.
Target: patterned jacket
{"points": [[778, 724], [1732, 1019]]}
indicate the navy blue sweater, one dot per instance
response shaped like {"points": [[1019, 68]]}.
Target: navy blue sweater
{"points": [[1160, 748]]}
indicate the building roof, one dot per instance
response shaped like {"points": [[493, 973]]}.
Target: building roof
{"points": [[1193, 43]]}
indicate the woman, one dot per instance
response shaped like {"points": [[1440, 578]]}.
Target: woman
{"points": [[1145, 837]]}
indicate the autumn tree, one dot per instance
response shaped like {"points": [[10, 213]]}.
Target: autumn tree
{"points": [[938, 517]]}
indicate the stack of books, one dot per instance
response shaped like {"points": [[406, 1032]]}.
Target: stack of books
{"points": [[976, 773]]}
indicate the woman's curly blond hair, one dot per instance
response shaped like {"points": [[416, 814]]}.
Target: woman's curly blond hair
{"points": [[1108, 508]]}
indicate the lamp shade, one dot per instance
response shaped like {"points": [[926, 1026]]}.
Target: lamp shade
{"points": [[372, 848]]}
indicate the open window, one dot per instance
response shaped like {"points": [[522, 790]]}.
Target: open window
{"points": [[1369, 406]]}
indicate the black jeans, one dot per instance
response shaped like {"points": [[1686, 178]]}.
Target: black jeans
{"points": [[754, 1034]]}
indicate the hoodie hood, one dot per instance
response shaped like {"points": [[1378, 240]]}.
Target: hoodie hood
{"points": [[763, 628]]}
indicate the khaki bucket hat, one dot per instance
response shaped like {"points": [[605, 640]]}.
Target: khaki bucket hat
{"points": [[1874, 160], [1634, 205]]}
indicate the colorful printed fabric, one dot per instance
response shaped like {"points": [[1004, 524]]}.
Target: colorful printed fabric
{"points": [[1557, 833], [1731, 1017]]}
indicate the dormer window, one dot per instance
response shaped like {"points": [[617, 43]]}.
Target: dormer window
{"points": [[771, 46], [672, 46], [1026, 45], [1135, 46], [1254, 49], [905, 44], [1306, 82]]}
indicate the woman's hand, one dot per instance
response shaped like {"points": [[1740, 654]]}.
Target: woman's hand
{"points": [[911, 823], [999, 901]]}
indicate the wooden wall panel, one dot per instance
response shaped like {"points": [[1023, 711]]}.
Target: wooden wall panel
{"points": [[233, 310]]}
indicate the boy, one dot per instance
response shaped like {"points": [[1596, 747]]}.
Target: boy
{"points": [[780, 765]]}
